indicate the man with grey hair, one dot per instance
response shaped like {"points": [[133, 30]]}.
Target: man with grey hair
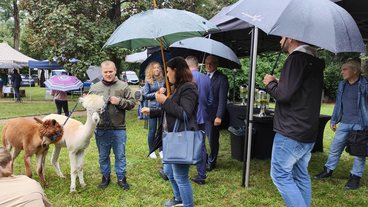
{"points": [[216, 112], [205, 99], [350, 112], [111, 130]]}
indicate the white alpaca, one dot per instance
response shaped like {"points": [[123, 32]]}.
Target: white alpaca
{"points": [[77, 137]]}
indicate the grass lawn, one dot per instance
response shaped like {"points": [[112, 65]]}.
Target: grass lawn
{"points": [[222, 187]]}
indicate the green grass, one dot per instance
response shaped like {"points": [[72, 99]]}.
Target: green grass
{"points": [[222, 187]]}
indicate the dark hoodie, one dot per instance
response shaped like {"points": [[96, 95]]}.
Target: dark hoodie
{"points": [[298, 95]]}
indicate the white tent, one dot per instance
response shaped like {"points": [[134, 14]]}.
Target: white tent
{"points": [[10, 55], [138, 57]]}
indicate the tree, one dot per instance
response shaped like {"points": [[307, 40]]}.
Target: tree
{"points": [[72, 29], [9, 11]]}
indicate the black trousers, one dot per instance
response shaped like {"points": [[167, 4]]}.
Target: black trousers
{"points": [[16, 93], [213, 134], [62, 104]]}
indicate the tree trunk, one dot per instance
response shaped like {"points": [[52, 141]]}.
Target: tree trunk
{"points": [[16, 25], [115, 16]]}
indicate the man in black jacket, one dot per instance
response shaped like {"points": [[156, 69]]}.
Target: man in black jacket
{"points": [[298, 100]]}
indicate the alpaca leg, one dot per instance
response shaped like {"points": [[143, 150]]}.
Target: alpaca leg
{"points": [[27, 164], [14, 155], [41, 167], [73, 171], [80, 158], [55, 160]]}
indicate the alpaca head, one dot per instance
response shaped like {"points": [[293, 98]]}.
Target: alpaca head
{"points": [[50, 131], [94, 104]]}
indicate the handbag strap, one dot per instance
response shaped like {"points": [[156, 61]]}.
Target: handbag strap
{"points": [[177, 123]]}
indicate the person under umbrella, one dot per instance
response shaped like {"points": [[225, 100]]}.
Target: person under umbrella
{"points": [[184, 99], [298, 100], [61, 101]]}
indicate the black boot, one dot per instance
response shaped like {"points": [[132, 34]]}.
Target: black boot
{"points": [[353, 183], [104, 182], [324, 174], [123, 183]]}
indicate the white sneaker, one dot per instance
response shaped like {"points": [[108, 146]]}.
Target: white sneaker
{"points": [[153, 155], [161, 154]]}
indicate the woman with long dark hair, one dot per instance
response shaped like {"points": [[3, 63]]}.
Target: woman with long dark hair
{"points": [[183, 99]]}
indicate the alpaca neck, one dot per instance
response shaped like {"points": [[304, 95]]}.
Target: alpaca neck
{"points": [[89, 126]]}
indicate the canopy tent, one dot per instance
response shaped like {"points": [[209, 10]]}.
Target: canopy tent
{"points": [[138, 57], [359, 11], [10, 55], [44, 64], [235, 34]]}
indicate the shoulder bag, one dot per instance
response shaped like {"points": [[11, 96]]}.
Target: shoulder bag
{"points": [[357, 143], [183, 147]]}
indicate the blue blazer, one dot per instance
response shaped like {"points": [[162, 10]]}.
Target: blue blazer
{"points": [[219, 87]]}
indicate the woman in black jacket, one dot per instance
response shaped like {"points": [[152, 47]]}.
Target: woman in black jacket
{"points": [[184, 99]]}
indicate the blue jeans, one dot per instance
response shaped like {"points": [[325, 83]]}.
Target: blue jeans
{"points": [[201, 166], [152, 127], [115, 139], [337, 146], [179, 179], [289, 170]]}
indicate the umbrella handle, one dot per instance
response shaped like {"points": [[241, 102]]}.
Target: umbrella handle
{"points": [[278, 58]]}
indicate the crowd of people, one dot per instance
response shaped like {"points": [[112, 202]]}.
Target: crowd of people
{"points": [[203, 99]]}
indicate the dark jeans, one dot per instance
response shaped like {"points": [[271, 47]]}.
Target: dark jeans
{"points": [[213, 133], [152, 127], [16, 93], [62, 104], [201, 167]]}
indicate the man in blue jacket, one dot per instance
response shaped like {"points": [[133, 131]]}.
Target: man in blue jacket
{"points": [[205, 99], [351, 112], [216, 112]]}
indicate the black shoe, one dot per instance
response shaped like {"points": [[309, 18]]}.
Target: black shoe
{"points": [[210, 167], [123, 183], [173, 203], [198, 180], [353, 183], [324, 174], [105, 182], [162, 174]]}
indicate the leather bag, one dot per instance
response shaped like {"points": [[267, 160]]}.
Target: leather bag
{"points": [[183, 147]]}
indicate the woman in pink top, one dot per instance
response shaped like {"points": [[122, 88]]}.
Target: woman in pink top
{"points": [[61, 101]]}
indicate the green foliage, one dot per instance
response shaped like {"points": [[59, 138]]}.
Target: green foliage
{"points": [[70, 29], [265, 63]]}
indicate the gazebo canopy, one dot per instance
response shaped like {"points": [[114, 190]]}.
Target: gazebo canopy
{"points": [[10, 55]]}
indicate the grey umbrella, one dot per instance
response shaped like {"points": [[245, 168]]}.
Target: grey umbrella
{"points": [[200, 47], [317, 22]]}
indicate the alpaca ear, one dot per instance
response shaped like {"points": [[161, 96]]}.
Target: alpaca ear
{"points": [[38, 120], [53, 122]]}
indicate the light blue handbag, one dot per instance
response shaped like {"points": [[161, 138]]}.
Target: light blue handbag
{"points": [[182, 147]]}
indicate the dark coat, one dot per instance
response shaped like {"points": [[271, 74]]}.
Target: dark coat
{"points": [[298, 95], [16, 80], [184, 99], [219, 87]]}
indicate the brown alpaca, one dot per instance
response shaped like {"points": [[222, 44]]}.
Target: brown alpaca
{"points": [[34, 136]]}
